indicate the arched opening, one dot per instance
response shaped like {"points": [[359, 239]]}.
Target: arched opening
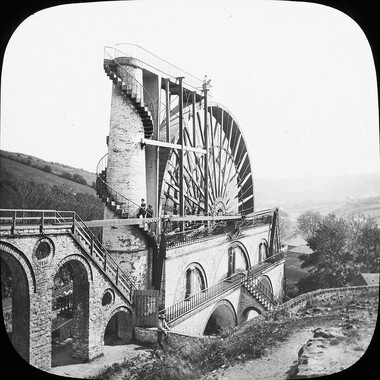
{"points": [[192, 281], [16, 303], [263, 251], [70, 325], [250, 313], [266, 282], [221, 319], [119, 328], [235, 260]]}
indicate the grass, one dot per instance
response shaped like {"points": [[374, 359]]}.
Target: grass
{"points": [[26, 173], [250, 340]]}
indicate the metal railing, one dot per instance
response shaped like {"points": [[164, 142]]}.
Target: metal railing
{"points": [[195, 301], [157, 63], [91, 245], [111, 53], [111, 193], [198, 231]]}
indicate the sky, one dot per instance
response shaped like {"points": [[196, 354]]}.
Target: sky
{"points": [[298, 77]]}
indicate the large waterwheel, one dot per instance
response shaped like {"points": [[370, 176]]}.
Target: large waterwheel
{"points": [[222, 187]]}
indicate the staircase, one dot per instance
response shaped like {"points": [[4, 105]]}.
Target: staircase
{"points": [[260, 292], [100, 256], [249, 280], [132, 91]]}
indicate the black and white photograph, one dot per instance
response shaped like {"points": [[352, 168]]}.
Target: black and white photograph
{"points": [[189, 190]]}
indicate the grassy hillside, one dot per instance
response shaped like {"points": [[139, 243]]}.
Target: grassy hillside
{"points": [[37, 163], [27, 173]]}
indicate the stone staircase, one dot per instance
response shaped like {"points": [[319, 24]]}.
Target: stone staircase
{"points": [[145, 110], [260, 292]]}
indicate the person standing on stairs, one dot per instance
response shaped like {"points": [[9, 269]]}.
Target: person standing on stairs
{"points": [[149, 212], [142, 209]]}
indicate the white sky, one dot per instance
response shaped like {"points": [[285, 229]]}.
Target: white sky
{"points": [[298, 77]]}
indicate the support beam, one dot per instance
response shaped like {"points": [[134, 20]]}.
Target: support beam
{"points": [[190, 218], [205, 90], [171, 145], [181, 155], [167, 107]]}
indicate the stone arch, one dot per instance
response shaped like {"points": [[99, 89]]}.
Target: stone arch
{"points": [[119, 327], [192, 280], [222, 317], [82, 280], [75, 257], [234, 259], [265, 280], [250, 313], [18, 316], [23, 260]]}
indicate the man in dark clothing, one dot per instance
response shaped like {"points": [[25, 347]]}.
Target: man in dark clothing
{"points": [[142, 209], [149, 212]]}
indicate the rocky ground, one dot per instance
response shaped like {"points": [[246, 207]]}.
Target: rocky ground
{"points": [[325, 337]]}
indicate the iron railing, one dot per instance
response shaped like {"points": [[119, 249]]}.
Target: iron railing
{"points": [[111, 193], [157, 63], [42, 219], [196, 231], [195, 301], [111, 53], [238, 279]]}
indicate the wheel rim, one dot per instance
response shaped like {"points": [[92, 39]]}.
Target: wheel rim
{"points": [[230, 181]]}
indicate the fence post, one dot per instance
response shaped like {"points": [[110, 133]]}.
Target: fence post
{"points": [[14, 222], [42, 222], [73, 227], [92, 245]]}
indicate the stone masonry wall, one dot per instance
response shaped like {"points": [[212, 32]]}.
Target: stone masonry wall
{"points": [[65, 249]]}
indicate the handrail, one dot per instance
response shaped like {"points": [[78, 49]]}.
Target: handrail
{"points": [[114, 194], [93, 247], [190, 236], [150, 102], [152, 60], [109, 264], [195, 301]]}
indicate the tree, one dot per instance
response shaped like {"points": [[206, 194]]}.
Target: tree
{"points": [[365, 244], [307, 223], [341, 248]]}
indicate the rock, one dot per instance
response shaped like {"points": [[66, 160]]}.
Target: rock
{"points": [[326, 333]]}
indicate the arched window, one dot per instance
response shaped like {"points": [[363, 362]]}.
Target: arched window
{"points": [[263, 250]]}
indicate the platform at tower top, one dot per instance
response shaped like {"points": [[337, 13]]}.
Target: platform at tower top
{"points": [[134, 55]]}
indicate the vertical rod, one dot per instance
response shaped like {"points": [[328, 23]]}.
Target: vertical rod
{"points": [[14, 222], [181, 141], [42, 222], [157, 187], [194, 120], [206, 147], [167, 106]]}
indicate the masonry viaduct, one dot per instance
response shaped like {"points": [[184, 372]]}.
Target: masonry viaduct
{"points": [[205, 256]]}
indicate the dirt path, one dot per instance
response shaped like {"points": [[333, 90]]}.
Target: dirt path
{"points": [[274, 365], [112, 354]]}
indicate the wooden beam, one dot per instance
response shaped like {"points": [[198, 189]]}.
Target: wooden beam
{"points": [[138, 221], [172, 146]]}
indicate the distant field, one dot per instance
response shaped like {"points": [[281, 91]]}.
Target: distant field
{"points": [[27, 173]]}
